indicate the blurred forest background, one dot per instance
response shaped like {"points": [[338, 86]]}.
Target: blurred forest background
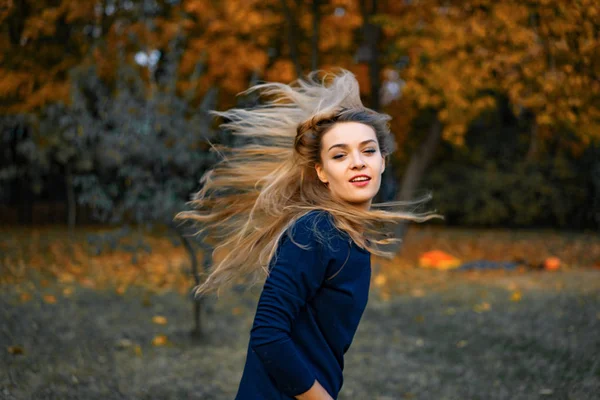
{"points": [[495, 105], [105, 133]]}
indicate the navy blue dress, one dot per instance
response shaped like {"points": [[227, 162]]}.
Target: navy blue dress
{"points": [[308, 312]]}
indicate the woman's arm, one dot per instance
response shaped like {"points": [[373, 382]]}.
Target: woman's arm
{"points": [[316, 392], [295, 277]]}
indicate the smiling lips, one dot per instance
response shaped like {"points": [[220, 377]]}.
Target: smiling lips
{"points": [[360, 180]]}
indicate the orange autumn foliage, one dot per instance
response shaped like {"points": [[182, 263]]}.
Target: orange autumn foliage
{"points": [[540, 53]]}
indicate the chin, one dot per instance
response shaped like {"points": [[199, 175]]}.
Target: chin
{"points": [[359, 200]]}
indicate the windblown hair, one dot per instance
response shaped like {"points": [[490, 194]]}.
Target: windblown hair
{"points": [[258, 190]]}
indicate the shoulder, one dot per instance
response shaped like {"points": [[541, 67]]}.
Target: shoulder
{"points": [[316, 227], [315, 224]]}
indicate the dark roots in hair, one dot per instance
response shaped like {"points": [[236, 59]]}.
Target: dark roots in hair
{"points": [[309, 134]]}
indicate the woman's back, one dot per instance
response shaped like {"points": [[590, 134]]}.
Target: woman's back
{"points": [[308, 312]]}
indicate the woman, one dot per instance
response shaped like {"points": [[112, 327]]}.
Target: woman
{"points": [[294, 204]]}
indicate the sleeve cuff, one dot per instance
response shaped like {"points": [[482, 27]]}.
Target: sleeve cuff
{"points": [[285, 366]]}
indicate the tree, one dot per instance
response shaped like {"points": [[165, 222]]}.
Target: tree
{"points": [[41, 41], [462, 54], [151, 147]]}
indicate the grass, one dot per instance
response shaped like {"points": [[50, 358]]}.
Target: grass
{"points": [[87, 329]]}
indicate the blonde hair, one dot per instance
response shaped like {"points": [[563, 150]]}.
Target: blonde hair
{"points": [[258, 190]]}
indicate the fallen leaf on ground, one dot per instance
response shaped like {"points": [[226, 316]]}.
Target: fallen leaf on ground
{"points": [[482, 307], [385, 295], [159, 320], [438, 259], [15, 350], [49, 298], [124, 343], [160, 340], [450, 311], [380, 280], [515, 296], [552, 263]]}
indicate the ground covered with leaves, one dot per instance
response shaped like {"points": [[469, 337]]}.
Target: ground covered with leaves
{"points": [[79, 325], [476, 336]]}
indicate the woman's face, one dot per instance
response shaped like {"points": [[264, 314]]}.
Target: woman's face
{"points": [[351, 163]]}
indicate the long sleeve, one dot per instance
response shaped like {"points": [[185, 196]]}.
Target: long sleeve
{"points": [[295, 277]]}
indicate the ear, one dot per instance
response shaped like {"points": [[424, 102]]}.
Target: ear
{"points": [[321, 173], [382, 164]]}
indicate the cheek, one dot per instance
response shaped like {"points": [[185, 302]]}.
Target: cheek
{"points": [[338, 173]]}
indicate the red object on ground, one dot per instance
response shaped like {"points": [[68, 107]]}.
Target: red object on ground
{"points": [[552, 263], [438, 260]]}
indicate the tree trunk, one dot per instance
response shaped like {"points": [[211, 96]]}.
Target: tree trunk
{"points": [[389, 185], [16, 21], [316, 11], [534, 144], [415, 170], [371, 39], [370, 53], [71, 203], [197, 330], [292, 37]]}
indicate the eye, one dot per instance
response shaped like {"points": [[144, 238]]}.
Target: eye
{"points": [[370, 151], [337, 156]]}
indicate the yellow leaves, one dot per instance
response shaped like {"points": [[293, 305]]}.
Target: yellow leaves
{"points": [[454, 133], [15, 83], [477, 28], [159, 320], [498, 49], [533, 101], [50, 299], [450, 311], [443, 115], [516, 296], [543, 119], [384, 295], [71, 264], [160, 340], [482, 307], [15, 350], [47, 93], [380, 280], [40, 25], [483, 103], [282, 71]]}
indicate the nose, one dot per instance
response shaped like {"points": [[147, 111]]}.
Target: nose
{"points": [[357, 161]]}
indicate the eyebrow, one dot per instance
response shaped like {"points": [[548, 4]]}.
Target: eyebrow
{"points": [[345, 145]]}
